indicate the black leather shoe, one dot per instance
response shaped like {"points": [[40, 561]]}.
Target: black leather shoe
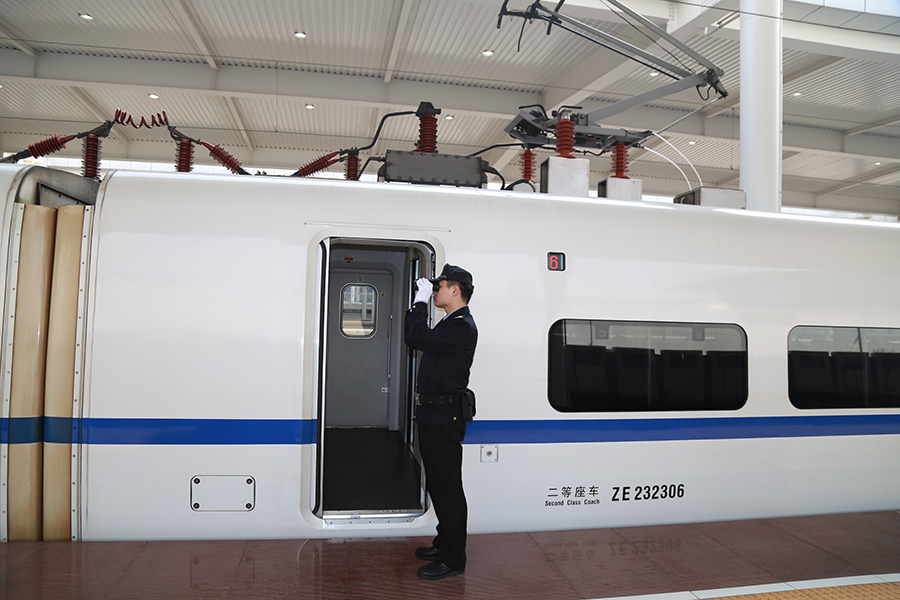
{"points": [[429, 553], [438, 570]]}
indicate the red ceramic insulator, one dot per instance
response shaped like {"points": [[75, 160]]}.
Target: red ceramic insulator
{"points": [[427, 134], [320, 164], [565, 138], [157, 120], [184, 156], [352, 171], [90, 156], [526, 162], [620, 161], [50, 145]]}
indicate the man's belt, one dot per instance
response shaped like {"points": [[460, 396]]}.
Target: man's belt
{"points": [[441, 399]]}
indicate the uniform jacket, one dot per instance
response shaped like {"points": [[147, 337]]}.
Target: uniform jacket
{"points": [[447, 353]]}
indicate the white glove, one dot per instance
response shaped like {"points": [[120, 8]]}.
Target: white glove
{"points": [[424, 290]]}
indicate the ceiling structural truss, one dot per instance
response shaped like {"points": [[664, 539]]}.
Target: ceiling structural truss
{"points": [[532, 126]]}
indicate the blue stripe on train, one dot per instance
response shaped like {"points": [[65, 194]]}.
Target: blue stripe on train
{"points": [[227, 432], [303, 431], [647, 430]]}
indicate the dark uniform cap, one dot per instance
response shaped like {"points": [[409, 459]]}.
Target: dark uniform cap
{"points": [[454, 273]]}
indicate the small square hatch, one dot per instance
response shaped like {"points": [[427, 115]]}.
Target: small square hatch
{"points": [[223, 493]]}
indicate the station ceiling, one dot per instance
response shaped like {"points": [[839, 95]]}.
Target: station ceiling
{"points": [[233, 72]]}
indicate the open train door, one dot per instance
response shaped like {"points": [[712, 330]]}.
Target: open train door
{"points": [[368, 465]]}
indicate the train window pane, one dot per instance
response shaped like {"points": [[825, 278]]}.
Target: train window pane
{"points": [[880, 340], [827, 339], [616, 366], [358, 310], [844, 367]]}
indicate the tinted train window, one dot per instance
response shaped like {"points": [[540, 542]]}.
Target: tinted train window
{"points": [[844, 367], [614, 366], [358, 310]]}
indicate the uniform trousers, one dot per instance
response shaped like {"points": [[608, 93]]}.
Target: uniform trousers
{"points": [[441, 448]]}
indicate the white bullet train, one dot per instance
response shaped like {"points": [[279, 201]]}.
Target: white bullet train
{"points": [[196, 356]]}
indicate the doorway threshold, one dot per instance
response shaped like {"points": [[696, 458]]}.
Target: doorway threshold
{"points": [[369, 518]]}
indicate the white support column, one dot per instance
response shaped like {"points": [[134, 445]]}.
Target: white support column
{"points": [[761, 103]]}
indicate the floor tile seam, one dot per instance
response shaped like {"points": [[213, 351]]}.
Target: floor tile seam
{"points": [[811, 543], [236, 569], [839, 517], [21, 560], [693, 527], [749, 560], [128, 566], [555, 566], [880, 534], [659, 567]]}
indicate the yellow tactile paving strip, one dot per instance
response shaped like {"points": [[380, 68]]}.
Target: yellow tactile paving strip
{"points": [[872, 591]]}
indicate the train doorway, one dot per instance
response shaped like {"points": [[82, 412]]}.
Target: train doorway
{"points": [[368, 463]]}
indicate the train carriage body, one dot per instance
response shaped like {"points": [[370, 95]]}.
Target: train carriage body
{"points": [[238, 367]]}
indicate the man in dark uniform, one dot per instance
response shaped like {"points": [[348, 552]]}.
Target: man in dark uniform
{"points": [[447, 353]]}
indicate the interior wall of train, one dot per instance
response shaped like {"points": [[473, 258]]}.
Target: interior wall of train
{"points": [[198, 356]]}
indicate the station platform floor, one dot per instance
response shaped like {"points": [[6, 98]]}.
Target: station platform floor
{"points": [[834, 557]]}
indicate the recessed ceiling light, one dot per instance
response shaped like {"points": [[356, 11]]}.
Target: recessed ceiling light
{"points": [[878, 164], [691, 143], [86, 17], [654, 74], [299, 34], [310, 106], [449, 117], [487, 53], [796, 94], [153, 96]]}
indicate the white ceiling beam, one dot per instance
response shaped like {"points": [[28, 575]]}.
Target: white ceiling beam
{"points": [[734, 99], [239, 121], [734, 177], [15, 38], [870, 126], [831, 41], [250, 82], [847, 43], [184, 13], [871, 176], [397, 39]]}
